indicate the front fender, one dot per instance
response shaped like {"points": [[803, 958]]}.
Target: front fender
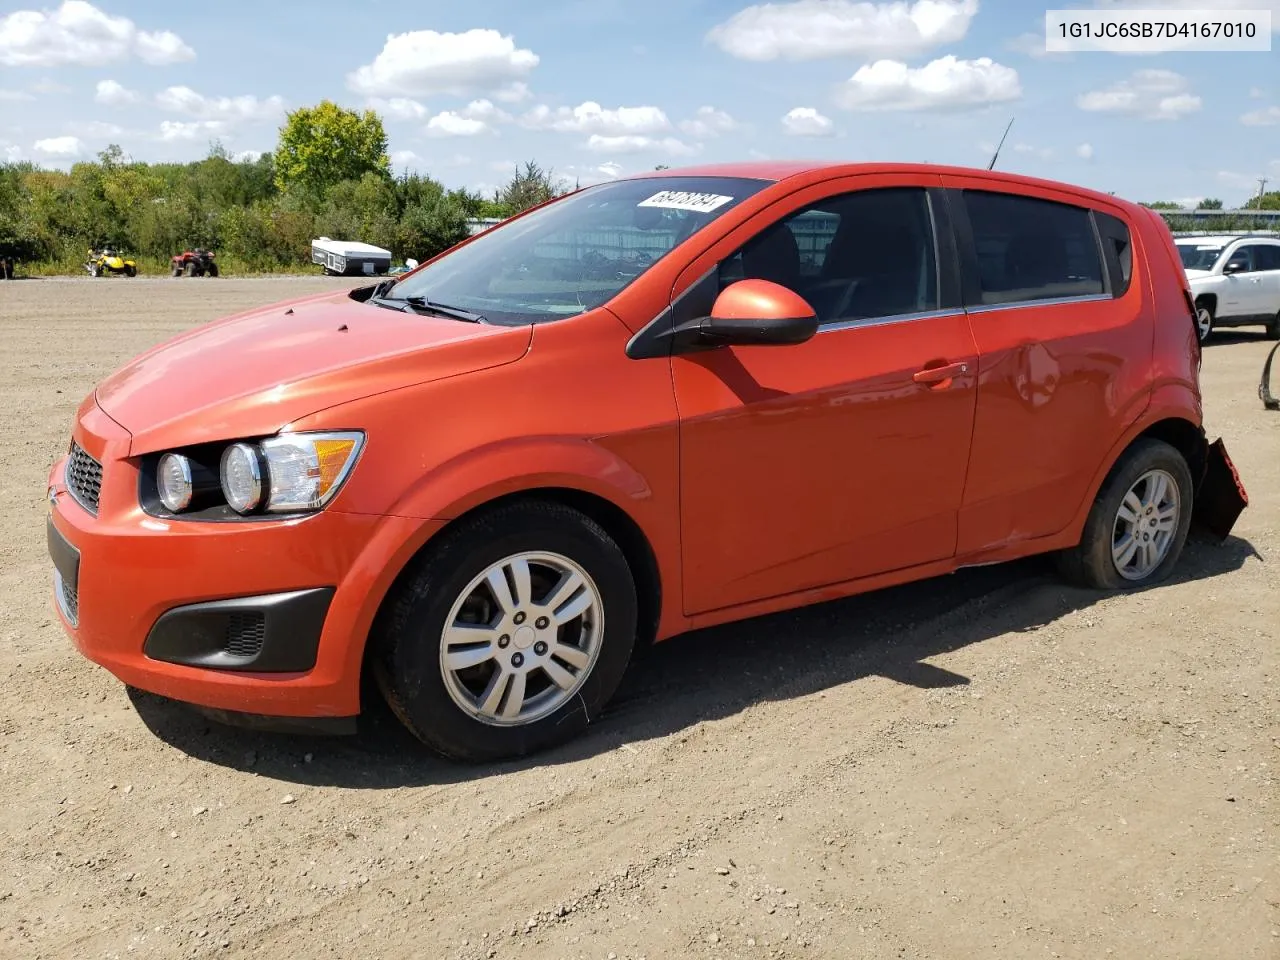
{"points": [[530, 463]]}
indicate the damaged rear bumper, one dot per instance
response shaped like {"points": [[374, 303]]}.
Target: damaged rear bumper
{"points": [[1220, 494]]}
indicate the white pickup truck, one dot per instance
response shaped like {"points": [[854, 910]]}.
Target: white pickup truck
{"points": [[1235, 281]]}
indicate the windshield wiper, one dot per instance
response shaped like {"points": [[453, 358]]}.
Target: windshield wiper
{"points": [[422, 303]]}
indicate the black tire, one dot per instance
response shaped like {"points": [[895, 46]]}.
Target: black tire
{"points": [[1090, 563], [1273, 328], [177, 269], [1204, 319], [213, 269], [130, 270], [407, 639]]}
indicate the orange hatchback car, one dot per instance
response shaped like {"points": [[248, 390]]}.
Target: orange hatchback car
{"points": [[659, 403]]}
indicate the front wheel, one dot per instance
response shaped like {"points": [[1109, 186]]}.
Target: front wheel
{"points": [[213, 269], [130, 270], [511, 635], [1138, 525], [1204, 320]]}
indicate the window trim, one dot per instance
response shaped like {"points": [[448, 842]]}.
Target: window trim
{"points": [[971, 272], [654, 338]]}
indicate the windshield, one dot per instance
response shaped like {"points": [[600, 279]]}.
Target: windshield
{"points": [[576, 253], [1197, 256]]}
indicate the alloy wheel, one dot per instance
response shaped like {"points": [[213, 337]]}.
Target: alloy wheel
{"points": [[1146, 524]]}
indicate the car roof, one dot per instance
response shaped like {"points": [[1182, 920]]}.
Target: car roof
{"points": [[779, 170], [1223, 239]]}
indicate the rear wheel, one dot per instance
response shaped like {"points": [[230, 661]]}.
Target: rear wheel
{"points": [[509, 636], [1138, 525], [130, 270], [213, 269], [177, 269], [1273, 328], [1204, 319]]}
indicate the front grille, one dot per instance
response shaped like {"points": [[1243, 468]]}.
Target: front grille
{"points": [[84, 478], [245, 634], [68, 600]]}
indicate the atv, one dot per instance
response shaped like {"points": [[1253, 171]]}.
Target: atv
{"points": [[194, 263], [106, 262]]}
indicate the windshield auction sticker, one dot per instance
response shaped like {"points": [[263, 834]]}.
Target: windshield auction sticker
{"points": [[682, 200]]}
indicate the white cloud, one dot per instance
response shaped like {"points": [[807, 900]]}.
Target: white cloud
{"points": [[1085, 151], [246, 156], [398, 108], [590, 117], [12, 152], [78, 33], [943, 84], [49, 86], [424, 62], [475, 118], [171, 130], [635, 143], [1266, 117], [114, 94], [12, 96], [453, 124], [59, 147], [708, 122], [1149, 94], [516, 92], [244, 108], [815, 29], [1257, 93], [405, 158], [807, 122], [610, 169]]}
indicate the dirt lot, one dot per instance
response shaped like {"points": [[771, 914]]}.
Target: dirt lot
{"points": [[986, 765]]}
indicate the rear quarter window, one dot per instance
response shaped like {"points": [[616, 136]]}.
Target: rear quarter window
{"points": [[1030, 249], [1117, 250]]}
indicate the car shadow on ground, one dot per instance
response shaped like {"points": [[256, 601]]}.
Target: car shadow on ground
{"points": [[1227, 336], [703, 675]]}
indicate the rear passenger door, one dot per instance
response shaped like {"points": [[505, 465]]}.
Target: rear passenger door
{"points": [[1267, 261], [1060, 309]]}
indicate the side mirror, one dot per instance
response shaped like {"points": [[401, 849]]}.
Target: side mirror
{"points": [[1235, 266], [758, 313]]}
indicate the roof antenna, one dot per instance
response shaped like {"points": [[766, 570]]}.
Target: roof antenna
{"points": [[995, 155]]}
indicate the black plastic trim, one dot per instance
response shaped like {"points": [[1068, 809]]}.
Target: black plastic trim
{"points": [[945, 251], [196, 635], [674, 330], [308, 726], [65, 557]]}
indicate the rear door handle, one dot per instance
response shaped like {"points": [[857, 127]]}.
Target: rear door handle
{"points": [[940, 374]]}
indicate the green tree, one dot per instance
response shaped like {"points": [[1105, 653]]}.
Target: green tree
{"points": [[326, 144], [528, 188], [1268, 201], [1211, 203]]}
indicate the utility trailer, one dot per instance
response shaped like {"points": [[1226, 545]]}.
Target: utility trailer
{"points": [[349, 258]]}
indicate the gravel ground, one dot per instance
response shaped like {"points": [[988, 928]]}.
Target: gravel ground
{"points": [[990, 764]]}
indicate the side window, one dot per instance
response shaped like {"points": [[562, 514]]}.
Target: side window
{"points": [[1266, 256], [1117, 249], [1031, 249], [1240, 260], [856, 256]]}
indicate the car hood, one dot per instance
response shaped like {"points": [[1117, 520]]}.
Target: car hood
{"points": [[255, 372], [1198, 274]]}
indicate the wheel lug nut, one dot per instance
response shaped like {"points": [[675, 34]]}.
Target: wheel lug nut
{"points": [[519, 618], [540, 648], [541, 623], [504, 641], [517, 660]]}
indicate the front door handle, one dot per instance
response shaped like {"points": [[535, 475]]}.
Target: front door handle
{"points": [[940, 375]]}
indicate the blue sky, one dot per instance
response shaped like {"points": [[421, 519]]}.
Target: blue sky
{"points": [[600, 88]]}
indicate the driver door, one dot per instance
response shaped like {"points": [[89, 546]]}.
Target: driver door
{"points": [[842, 457]]}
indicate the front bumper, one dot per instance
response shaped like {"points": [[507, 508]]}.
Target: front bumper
{"points": [[265, 618]]}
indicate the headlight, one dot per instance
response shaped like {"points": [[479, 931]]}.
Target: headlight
{"points": [[173, 481], [241, 477], [306, 469], [288, 473]]}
